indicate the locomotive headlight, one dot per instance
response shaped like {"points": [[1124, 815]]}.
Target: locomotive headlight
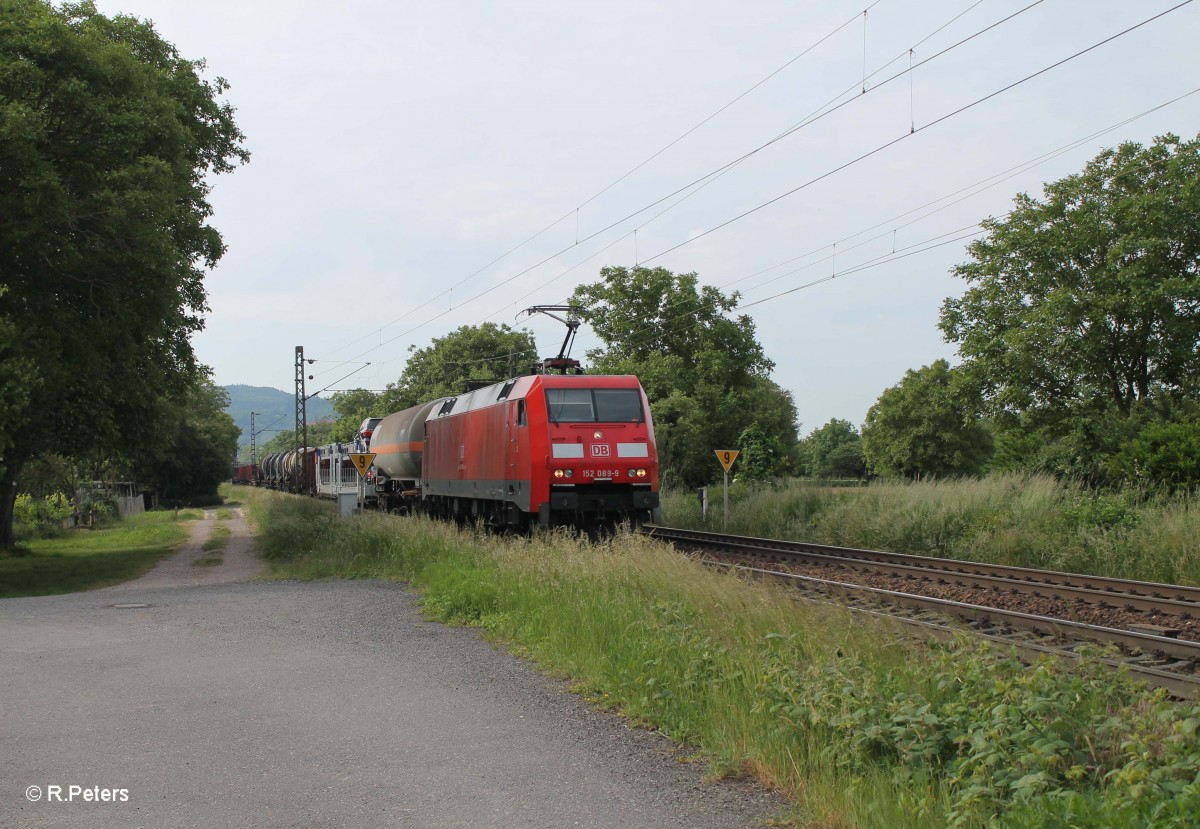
{"points": [[641, 473], [631, 473], [570, 473], [558, 473], [597, 435]]}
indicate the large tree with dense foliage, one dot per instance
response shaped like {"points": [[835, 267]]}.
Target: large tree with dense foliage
{"points": [[194, 448], [925, 426], [1083, 307], [106, 136], [1089, 298], [470, 354], [833, 451], [704, 371]]}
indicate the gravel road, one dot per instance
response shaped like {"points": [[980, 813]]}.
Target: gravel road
{"points": [[234, 702]]}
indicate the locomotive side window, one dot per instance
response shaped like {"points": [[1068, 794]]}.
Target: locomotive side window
{"points": [[521, 419], [618, 406], [570, 405], [592, 406]]}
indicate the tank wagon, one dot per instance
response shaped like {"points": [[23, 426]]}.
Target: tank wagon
{"points": [[398, 443], [282, 470]]}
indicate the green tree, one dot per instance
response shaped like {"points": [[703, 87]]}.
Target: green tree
{"points": [[108, 135], [706, 375], [48, 472], [925, 425], [18, 379], [193, 452], [472, 353], [1165, 453], [834, 451], [352, 408], [1089, 299]]}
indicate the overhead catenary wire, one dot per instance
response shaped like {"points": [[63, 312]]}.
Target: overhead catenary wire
{"points": [[792, 130], [970, 190], [920, 129], [913, 249], [924, 127], [576, 210]]}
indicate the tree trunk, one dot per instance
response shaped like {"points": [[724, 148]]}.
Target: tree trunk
{"points": [[8, 497]]}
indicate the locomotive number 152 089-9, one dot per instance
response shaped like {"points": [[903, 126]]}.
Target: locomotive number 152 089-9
{"points": [[602, 473]]}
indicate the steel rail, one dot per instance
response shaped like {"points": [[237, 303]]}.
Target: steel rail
{"points": [[1178, 676], [1120, 593]]}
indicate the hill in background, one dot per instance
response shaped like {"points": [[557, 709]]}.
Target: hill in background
{"points": [[273, 410]]}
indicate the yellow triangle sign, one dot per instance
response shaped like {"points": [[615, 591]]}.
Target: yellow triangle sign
{"points": [[726, 457], [362, 462]]}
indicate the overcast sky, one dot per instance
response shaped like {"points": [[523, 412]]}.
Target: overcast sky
{"points": [[401, 150]]}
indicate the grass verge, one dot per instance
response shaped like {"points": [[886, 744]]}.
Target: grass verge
{"points": [[858, 725], [88, 559]]}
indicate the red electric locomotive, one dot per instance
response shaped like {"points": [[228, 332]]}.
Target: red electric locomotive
{"points": [[550, 448], [544, 449]]}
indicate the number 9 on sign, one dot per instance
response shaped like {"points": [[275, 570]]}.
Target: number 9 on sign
{"points": [[726, 457]]}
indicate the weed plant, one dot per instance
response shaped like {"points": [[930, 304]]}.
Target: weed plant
{"points": [[858, 724], [1024, 520]]}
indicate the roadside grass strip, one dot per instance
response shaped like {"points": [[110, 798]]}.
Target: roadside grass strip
{"points": [[859, 725], [88, 559], [1025, 520], [214, 547]]}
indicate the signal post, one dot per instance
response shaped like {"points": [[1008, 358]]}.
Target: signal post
{"points": [[726, 457]]}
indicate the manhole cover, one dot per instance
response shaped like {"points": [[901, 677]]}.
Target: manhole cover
{"points": [[129, 605]]}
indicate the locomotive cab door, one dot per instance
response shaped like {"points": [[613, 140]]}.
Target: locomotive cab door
{"points": [[516, 427]]}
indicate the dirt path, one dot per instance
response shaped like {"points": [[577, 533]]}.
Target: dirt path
{"points": [[238, 561]]}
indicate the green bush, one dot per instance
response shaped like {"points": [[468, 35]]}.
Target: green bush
{"points": [[1007, 744], [40, 517]]}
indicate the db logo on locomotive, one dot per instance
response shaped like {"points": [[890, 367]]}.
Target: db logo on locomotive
{"points": [[601, 450]]}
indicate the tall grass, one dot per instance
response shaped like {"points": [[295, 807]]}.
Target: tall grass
{"points": [[857, 724], [1024, 520]]}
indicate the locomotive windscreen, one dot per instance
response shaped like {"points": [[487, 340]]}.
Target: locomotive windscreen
{"points": [[594, 405]]}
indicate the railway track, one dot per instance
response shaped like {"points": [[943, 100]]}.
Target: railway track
{"points": [[1155, 627]]}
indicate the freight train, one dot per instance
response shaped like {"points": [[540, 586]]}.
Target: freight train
{"points": [[539, 450]]}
